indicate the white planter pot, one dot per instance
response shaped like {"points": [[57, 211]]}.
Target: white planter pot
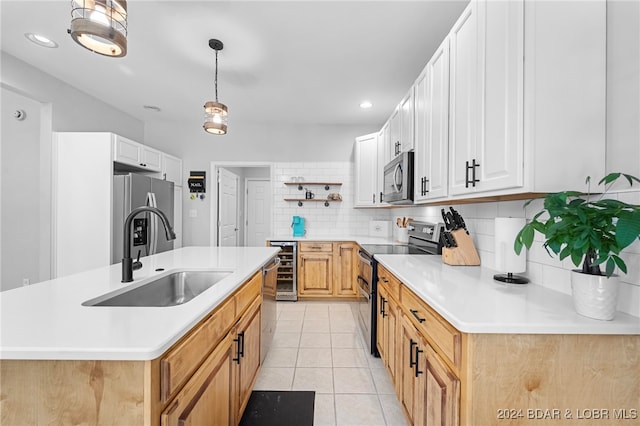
{"points": [[595, 296]]}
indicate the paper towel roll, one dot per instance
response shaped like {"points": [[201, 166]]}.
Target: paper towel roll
{"points": [[507, 260]]}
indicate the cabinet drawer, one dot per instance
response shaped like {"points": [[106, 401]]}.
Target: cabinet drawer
{"points": [[390, 282], [248, 292], [316, 246], [435, 329], [180, 362]]}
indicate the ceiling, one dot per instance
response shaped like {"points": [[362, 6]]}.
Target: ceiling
{"points": [[294, 62]]}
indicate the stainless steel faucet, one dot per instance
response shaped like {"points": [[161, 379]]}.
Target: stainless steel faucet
{"points": [[127, 261]]}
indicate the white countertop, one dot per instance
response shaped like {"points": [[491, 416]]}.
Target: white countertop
{"points": [[47, 320], [469, 298]]}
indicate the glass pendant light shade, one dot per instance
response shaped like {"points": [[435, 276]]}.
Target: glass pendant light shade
{"points": [[215, 118], [100, 26], [215, 113]]}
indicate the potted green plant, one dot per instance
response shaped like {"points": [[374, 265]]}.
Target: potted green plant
{"points": [[592, 233]]}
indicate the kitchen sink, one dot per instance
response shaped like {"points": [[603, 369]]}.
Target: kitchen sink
{"points": [[171, 290]]}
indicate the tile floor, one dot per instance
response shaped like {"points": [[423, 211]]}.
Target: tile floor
{"points": [[317, 347]]}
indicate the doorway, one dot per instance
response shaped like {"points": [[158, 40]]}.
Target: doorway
{"points": [[253, 201]]}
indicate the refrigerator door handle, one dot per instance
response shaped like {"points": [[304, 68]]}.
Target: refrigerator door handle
{"points": [[151, 224], [154, 221]]}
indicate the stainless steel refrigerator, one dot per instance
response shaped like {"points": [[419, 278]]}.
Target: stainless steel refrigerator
{"points": [[129, 192]]}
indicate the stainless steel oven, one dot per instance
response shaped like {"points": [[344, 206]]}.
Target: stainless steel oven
{"points": [[366, 298], [424, 239]]}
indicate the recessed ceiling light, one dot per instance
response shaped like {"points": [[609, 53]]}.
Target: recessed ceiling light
{"points": [[152, 108], [41, 40], [365, 104]]}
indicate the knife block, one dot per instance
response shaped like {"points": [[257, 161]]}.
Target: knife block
{"points": [[464, 254]]}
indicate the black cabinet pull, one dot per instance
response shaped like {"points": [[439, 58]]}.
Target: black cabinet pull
{"points": [[381, 196], [414, 312], [383, 313], [471, 167], [239, 347], [412, 363], [417, 369]]}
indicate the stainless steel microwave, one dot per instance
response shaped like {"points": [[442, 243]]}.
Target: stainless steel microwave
{"points": [[398, 179]]}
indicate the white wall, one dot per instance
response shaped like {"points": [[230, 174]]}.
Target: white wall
{"points": [[20, 169], [62, 108]]}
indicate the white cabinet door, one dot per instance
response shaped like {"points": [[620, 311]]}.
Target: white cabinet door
{"points": [[463, 103], [172, 169], [421, 150], [384, 140], [406, 121], [126, 151], [432, 127], [395, 133], [500, 147], [151, 159], [366, 159]]}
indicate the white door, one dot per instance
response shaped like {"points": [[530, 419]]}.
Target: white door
{"points": [[258, 208], [227, 208]]}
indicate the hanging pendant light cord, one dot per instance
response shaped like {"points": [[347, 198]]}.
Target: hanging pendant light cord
{"points": [[216, 76]]}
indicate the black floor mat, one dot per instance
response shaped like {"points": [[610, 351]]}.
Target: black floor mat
{"points": [[278, 408]]}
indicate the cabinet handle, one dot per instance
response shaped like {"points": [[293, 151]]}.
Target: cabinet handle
{"points": [[473, 180], [382, 302], [381, 196], [384, 280], [414, 312], [417, 369], [412, 363], [373, 198], [240, 347]]}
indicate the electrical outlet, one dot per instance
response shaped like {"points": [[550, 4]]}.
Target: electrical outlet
{"points": [[26, 281], [193, 213]]}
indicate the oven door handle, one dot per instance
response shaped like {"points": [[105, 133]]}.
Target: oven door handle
{"points": [[363, 286], [365, 259]]}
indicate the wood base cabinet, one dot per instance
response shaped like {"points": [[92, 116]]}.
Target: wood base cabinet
{"points": [[446, 377], [207, 397], [387, 328], [430, 391], [327, 269]]}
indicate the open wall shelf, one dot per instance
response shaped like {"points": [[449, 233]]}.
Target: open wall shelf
{"points": [[301, 185]]}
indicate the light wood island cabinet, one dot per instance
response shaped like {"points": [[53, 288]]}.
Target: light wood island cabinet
{"points": [[203, 379], [443, 376]]}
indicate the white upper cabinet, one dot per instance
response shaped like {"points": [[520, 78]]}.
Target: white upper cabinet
{"points": [[464, 103], [151, 159], [384, 156], [126, 151], [432, 127], [366, 174], [509, 136], [401, 126]]}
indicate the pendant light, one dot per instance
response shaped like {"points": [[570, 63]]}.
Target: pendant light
{"points": [[100, 26], [215, 113]]}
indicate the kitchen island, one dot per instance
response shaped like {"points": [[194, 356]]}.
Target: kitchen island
{"points": [[463, 349], [62, 362]]}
